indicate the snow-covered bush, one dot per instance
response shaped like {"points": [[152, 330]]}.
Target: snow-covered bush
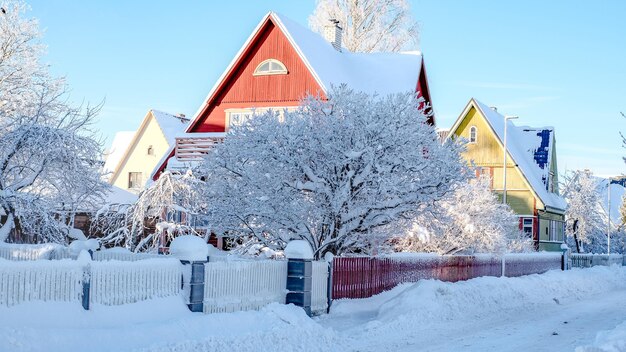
{"points": [[469, 220], [334, 173], [170, 204], [49, 158]]}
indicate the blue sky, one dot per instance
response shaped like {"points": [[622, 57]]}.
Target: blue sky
{"points": [[553, 63]]}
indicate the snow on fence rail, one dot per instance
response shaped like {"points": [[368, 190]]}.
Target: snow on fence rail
{"points": [[584, 260], [245, 285], [362, 277], [319, 287], [121, 282], [124, 256], [28, 251], [24, 281], [519, 264]]}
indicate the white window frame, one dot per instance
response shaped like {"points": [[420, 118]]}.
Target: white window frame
{"points": [[530, 225], [473, 130], [275, 67]]}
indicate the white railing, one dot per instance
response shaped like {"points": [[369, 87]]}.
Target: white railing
{"points": [[584, 260], [194, 146], [319, 287], [25, 281], [121, 282], [28, 251], [246, 285]]}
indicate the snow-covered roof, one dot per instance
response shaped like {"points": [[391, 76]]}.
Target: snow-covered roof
{"points": [[120, 196], [170, 125], [617, 193], [382, 73], [530, 148], [120, 143]]}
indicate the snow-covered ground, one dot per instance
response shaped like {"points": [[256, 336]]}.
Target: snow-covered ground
{"points": [[581, 310]]}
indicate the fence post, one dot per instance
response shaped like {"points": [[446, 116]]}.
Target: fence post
{"points": [[84, 257], [299, 272], [192, 251], [564, 257], [329, 285]]}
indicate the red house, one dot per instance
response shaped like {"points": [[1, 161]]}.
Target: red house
{"points": [[281, 63]]}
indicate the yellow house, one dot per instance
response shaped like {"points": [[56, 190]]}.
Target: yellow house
{"points": [[531, 169], [154, 137]]}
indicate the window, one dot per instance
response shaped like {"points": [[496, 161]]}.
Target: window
{"points": [[473, 134], [270, 67], [150, 150], [527, 227], [238, 118], [134, 180], [557, 230]]}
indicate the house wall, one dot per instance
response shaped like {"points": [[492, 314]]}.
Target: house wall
{"points": [[487, 153], [138, 160], [244, 90]]}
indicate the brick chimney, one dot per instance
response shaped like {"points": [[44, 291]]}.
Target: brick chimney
{"points": [[332, 33]]}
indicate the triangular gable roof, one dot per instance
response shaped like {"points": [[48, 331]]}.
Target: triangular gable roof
{"points": [[382, 73], [517, 150], [120, 144], [170, 125]]}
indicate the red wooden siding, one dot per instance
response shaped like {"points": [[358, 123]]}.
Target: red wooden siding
{"points": [[241, 89], [362, 277]]}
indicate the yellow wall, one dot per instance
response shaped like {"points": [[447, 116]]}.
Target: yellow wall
{"points": [[137, 159], [487, 153]]}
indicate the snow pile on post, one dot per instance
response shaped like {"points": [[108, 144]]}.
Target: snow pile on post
{"points": [[298, 249], [189, 247]]}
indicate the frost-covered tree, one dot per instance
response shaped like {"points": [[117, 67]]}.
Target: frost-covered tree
{"points": [[332, 173], [49, 159], [369, 25], [469, 220], [622, 213], [170, 204], [585, 224]]}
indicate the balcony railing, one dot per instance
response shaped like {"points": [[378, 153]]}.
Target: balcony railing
{"points": [[194, 146]]}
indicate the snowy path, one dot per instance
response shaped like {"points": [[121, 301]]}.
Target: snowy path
{"points": [[575, 324], [484, 314]]}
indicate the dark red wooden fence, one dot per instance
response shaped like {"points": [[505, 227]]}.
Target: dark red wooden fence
{"points": [[362, 277]]}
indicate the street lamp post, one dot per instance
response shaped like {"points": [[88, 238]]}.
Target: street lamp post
{"points": [[506, 119]]}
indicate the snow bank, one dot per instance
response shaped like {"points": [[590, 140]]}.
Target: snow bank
{"points": [[608, 341], [163, 324], [431, 302], [189, 247]]}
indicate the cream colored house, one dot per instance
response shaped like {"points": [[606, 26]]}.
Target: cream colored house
{"points": [[154, 137]]}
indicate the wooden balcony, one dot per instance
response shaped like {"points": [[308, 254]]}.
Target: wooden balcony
{"points": [[194, 146]]}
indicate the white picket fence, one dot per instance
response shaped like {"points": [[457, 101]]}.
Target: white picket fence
{"points": [[245, 285], [319, 287], [25, 281], [12, 251], [122, 282], [584, 260]]}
